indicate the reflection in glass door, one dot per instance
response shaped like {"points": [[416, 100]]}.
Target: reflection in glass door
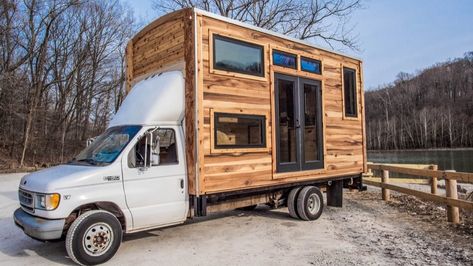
{"points": [[311, 104], [299, 124], [286, 131]]}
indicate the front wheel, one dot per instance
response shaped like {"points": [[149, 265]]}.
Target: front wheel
{"points": [[94, 237]]}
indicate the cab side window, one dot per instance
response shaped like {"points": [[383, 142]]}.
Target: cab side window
{"points": [[156, 147]]}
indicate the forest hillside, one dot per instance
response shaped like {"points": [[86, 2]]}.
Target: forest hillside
{"points": [[61, 76], [431, 109]]}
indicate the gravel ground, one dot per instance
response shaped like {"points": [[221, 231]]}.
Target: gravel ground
{"points": [[365, 231]]}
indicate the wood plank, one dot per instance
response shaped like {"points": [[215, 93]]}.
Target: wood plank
{"points": [[238, 203], [170, 45], [363, 125], [189, 55], [407, 171], [200, 110], [467, 205], [161, 36], [154, 26], [129, 66]]}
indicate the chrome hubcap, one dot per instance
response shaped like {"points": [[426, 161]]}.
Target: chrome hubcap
{"points": [[314, 203], [97, 239]]}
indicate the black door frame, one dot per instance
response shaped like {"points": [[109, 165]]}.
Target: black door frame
{"points": [[299, 164], [317, 164], [288, 166]]}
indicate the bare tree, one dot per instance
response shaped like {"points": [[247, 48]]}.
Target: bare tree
{"points": [[325, 21], [61, 75]]}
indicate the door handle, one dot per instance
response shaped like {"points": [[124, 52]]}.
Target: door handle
{"points": [[182, 183]]}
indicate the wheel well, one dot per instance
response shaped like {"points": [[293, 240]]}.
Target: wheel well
{"points": [[101, 205]]}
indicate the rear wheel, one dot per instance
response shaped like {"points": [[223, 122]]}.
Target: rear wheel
{"points": [[94, 237], [292, 202], [310, 203]]}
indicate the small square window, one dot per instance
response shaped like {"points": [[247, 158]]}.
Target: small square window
{"points": [[239, 131], [311, 65], [284, 59]]}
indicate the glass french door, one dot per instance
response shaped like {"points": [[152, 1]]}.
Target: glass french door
{"points": [[298, 126]]}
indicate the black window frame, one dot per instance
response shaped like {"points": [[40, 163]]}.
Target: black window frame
{"points": [[239, 42], [286, 54], [353, 91], [312, 60], [261, 118]]}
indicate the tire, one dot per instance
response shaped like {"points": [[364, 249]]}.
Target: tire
{"points": [[292, 202], [310, 203], [85, 229]]}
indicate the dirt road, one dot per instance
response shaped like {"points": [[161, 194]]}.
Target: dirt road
{"points": [[365, 231]]}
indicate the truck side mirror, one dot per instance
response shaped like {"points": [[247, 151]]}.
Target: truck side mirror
{"points": [[155, 150], [146, 156], [89, 141], [151, 150]]}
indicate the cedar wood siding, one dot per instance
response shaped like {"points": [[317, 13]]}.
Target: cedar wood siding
{"points": [[237, 93]]}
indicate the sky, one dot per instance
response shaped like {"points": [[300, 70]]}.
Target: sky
{"points": [[395, 36]]}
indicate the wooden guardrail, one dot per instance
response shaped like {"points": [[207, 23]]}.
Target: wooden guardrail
{"points": [[431, 172]]}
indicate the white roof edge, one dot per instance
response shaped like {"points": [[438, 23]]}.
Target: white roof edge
{"points": [[249, 26]]}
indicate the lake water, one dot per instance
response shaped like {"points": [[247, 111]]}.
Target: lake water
{"points": [[460, 160]]}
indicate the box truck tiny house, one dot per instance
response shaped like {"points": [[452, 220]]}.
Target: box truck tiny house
{"points": [[219, 115]]}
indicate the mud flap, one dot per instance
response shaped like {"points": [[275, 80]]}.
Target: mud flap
{"points": [[200, 206], [335, 193]]}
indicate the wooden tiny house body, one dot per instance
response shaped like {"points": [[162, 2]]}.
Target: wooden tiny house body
{"points": [[301, 122]]}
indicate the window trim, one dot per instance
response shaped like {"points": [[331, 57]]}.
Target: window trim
{"points": [[311, 60], [298, 71], [260, 118], [240, 42], [346, 116], [238, 112], [296, 66]]}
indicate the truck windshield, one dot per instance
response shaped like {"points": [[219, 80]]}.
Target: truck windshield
{"points": [[106, 147]]}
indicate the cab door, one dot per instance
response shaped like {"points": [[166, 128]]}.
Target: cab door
{"points": [[154, 178]]}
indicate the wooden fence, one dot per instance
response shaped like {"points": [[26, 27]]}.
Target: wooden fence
{"points": [[433, 174]]}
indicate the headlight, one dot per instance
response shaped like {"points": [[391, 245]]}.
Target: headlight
{"points": [[47, 202]]}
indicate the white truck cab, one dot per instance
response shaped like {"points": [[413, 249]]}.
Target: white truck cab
{"points": [[130, 178]]}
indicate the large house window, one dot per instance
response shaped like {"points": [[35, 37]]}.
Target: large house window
{"points": [[239, 131], [237, 56], [284, 59], [349, 87]]}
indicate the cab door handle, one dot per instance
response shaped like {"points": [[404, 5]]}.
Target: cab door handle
{"points": [[182, 183]]}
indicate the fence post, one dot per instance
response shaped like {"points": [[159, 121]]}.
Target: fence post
{"points": [[453, 213], [433, 180], [384, 191]]}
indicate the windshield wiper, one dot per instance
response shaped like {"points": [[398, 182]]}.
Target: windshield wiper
{"points": [[88, 160]]}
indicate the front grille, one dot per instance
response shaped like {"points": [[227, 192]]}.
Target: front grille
{"points": [[26, 200]]}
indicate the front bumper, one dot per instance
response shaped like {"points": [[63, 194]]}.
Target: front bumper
{"points": [[39, 228]]}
